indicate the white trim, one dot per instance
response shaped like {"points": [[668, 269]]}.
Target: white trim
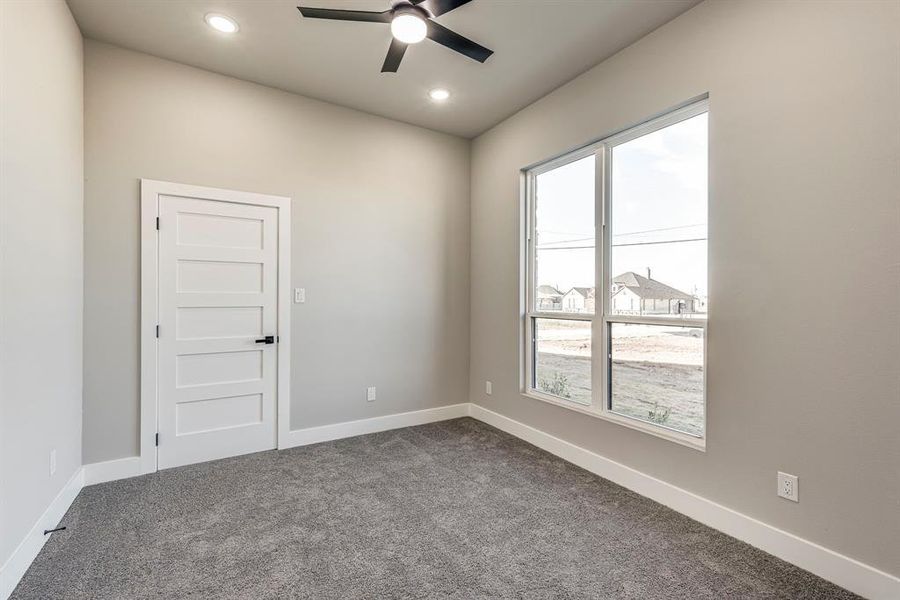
{"points": [[841, 570], [111, 470], [124, 468], [592, 145], [284, 321], [150, 192], [844, 571], [686, 111], [337, 431], [149, 313], [600, 319], [591, 410], [562, 316], [22, 557], [603, 359]]}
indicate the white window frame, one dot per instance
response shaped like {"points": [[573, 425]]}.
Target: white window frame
{"points": [[601, 319]]}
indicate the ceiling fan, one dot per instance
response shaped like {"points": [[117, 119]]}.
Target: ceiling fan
{"points": [[411, 22]]}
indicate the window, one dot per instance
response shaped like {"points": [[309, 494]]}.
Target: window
{"points": [[563, 270], [647, 256]]}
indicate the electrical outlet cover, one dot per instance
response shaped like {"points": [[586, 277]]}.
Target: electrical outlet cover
{"points": [[788, 487]]}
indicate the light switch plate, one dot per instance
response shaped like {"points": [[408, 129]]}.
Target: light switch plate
{"points": [[299, 295]]}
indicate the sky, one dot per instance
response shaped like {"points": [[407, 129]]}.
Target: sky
{"points": [[659, 212]]}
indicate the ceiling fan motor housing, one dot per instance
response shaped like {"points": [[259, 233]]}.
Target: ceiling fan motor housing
{"points": [[405, 8], [405, 4]]}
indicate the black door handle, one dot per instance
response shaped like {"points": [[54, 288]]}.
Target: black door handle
{"points": [[269, 339]]}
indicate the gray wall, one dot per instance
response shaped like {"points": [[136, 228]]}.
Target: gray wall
{"points": [[804, 205], [380, 237], [41, 158]]}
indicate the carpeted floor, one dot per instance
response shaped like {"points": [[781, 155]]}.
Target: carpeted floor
{"points": [[449, 510]]}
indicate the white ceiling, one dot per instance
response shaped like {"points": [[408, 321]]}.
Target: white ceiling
{"points": [[538, 45]]}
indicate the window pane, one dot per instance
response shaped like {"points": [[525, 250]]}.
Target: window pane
{"points": [[656, 375], [562, 359], [659, 223], [564, 238]]}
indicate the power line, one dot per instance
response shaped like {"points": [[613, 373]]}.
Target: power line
{"points": [[621, 245], [556, 242], [703, 239], [565, 248], [569, 241], [661, 229], [563, 232], [627, 232]]}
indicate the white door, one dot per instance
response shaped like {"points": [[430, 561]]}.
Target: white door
{"points": [[218, 329]]}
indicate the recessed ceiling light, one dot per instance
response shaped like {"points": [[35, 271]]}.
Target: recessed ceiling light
{"points": [[221, 23], [438, 94], [408, 27]]}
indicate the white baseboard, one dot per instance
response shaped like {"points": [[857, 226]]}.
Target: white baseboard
{"points": [[11, 572], [844, 571], [841, 570], [325, 433], [22, 557], [123, 468], [110, 470]]}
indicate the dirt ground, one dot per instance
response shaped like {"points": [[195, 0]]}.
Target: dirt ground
{"points": [[657, 372]]}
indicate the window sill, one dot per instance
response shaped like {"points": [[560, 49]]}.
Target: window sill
{"points": [[589, 410]]}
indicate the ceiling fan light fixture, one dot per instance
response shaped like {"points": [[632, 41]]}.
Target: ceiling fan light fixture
{"points": [[221, 23], [408, 27], [411, 22]]}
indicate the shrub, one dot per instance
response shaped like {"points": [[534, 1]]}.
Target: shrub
{"points": [[558, 386], [658, 415]]}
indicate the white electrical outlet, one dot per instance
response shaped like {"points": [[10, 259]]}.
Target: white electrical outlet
{"points": [[52, 462], [370, 394], [299, 295], [488, 388], [788, 487]]}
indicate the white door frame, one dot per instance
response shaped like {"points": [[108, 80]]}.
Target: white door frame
{"points": [[150, 192]]}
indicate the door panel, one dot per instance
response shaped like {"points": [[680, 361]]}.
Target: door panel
{"points": [[219, 277], [212, 367], [218, 413], [218, 266], [198, 229], [209, 322]]}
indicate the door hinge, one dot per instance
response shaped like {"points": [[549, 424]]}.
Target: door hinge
{"points": [[157, 331], [157, 439], [157, 223]]}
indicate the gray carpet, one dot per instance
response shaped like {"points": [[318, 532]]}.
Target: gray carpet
{"points": [[449, 510]]}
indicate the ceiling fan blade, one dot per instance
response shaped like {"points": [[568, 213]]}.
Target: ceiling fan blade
{"points": [[439, 7], [454, 41], [345, 15], [394, 55]]}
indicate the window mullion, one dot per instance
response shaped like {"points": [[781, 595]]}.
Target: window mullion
{"points": [[598, 375], [561, 316], [529, 325], [603, 358], [651, 320]]}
